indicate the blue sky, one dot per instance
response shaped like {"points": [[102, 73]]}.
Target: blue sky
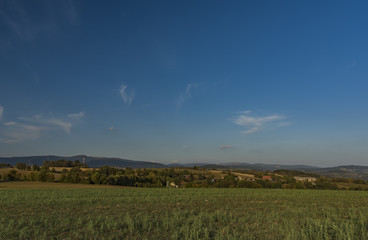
{"points": [[185, 81]]}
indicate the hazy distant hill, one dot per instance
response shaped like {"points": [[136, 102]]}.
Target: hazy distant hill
{"points": [[189, 165], [33, 159], [118, 162], [93, 162], [348, 171], [266, 167]]}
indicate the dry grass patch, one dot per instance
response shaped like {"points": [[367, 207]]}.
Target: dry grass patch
{"points": [[50, 185], [60, 169], [222, 174]]}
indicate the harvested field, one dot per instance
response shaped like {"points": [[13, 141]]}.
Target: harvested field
{"points": [[72, 211]]}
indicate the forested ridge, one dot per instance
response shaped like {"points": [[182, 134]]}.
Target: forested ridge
{"points": [[196, 177]]}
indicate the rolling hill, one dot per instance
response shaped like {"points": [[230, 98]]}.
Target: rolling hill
{"points": [[93, 162], [348, 171]]}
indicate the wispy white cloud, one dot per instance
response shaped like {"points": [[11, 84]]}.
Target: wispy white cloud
{"points": [[1, 112], [127, 96], [49, 122], [147, 105], [186, 95], [23, 24], [32, 128], [18, 21], [283, 124], [245, 112], [223, 147], [18, 132], [255, 124], [70, 11], [62, 124], [352, 65], [31, 71], [10, 123], [76, 116]]}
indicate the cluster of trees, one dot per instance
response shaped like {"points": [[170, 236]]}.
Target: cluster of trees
{"points": [[4, 165], [183, 178], [170, 177], [23, 166], [122, 177], [295, 173], [42, 174], [64, 163], [349, 180]]}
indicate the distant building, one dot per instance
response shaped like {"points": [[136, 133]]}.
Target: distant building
{"points": [[305, 179], [266, 178], [173, 185], [187, 177]]}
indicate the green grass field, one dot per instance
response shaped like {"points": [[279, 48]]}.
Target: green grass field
{"points": [[47, 212]]}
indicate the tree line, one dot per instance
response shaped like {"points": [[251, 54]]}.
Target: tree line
{"points": [[168, 177], [64, 163]]}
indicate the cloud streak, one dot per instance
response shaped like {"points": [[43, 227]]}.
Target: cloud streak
{"points": [[352, 65], [32, 128], [70, 11], [255, 124], [18, 21], [76, 116], [18, 132], [186, 95], [21, 22], [127, 96], [223, 147], [10, 123], [49, 122]]}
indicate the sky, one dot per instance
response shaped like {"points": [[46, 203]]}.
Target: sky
{"points": [[280, 82]]}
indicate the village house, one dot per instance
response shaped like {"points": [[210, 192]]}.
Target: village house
{"points": [[171, 185], [305, 179], [187, 177], [266, 178]]}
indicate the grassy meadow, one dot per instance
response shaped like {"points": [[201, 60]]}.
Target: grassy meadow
{"points": [[72, 211]]}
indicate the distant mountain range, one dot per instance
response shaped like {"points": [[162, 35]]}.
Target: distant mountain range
{"points": [[93, 162], [348, 171], [266, 167]]}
